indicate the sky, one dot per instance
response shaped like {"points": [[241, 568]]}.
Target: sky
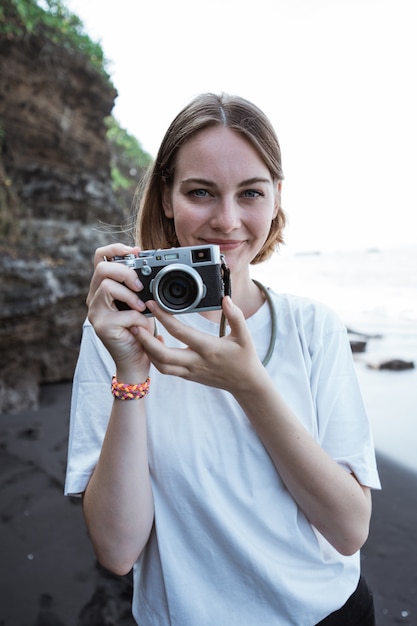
{"points": [[336, 78]]}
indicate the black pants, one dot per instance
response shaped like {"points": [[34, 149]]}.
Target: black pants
{"points": [[358, 610]]}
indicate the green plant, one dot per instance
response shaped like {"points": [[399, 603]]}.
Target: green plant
{"points": [[128, 158], [52, 20]]}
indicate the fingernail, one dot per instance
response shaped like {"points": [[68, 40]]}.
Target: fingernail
{"points": [[141, 305], [138, 284]]}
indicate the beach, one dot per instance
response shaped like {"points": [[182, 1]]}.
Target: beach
{"points": [[48, 573]]}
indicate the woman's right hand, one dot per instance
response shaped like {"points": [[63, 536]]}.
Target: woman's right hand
{"points": [[118, 329]]}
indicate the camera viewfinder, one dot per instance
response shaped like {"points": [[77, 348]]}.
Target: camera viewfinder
{"points": [[201, 255]]}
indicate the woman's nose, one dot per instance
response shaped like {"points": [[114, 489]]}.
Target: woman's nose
{"points": [[226, 215]]}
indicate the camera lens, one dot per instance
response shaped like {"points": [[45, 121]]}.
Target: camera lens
{"points": [[178, 288], [178, 291]]}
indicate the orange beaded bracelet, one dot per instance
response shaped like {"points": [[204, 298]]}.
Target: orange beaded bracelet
{"points": [[129, 392]]}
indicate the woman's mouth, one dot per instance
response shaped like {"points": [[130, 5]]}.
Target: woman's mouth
{"points": [[225, 244]]}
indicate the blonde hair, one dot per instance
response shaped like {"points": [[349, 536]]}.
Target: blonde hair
{"points": [[153, 229]]}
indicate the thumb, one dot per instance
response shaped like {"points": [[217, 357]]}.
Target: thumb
{"points": [[234, 316]]}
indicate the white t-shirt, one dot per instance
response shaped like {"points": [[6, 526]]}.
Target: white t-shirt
{"points": [[229, 546]]}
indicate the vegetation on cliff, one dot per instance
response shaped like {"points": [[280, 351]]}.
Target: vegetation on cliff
{"points": [[52, 21], [128, 159]]}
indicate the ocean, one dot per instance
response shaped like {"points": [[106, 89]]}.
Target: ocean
{"points": [[373, 292]]}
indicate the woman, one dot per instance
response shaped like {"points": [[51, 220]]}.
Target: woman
{"points": [[238, 490]]}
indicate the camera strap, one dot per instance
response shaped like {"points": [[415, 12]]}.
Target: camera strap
{"points": [[227, 291], [274, 323], [226, 276]]}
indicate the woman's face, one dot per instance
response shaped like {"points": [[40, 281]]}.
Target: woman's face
{"points": [[223, 194]]}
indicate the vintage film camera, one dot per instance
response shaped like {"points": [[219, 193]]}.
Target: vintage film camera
{"points": [[180, 280]]}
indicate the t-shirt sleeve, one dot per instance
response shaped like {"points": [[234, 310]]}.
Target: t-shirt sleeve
{"points": [[91, 404], [343, 425]]}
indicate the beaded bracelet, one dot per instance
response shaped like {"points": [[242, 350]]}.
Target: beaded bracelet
{"points": [[129, 392]]}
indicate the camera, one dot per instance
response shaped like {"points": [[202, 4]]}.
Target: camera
{"points": [[180, 280]]}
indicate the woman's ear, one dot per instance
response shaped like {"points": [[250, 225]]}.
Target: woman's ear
{"points": [[167, 202]]}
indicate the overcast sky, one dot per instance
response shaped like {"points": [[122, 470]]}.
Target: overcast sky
{"points": [[336, 77]]}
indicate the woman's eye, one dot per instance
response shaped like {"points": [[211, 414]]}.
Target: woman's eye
{"points": [[199, 193], [252, 193]]}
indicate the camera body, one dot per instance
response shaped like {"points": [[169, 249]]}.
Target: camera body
{"points": [[180, 280]]}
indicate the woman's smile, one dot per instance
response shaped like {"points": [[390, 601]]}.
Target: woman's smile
{"points": [[225, 244]]}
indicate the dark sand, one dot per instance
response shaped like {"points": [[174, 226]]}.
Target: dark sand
{"points": [[48, 573]]}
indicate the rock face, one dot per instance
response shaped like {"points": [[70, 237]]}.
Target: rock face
{"points": [[55, 192]]}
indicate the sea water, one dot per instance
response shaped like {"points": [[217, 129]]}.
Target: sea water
{"points": [[373, 292]]}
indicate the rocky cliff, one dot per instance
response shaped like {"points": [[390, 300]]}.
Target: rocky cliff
{"points": [[55, 194]]}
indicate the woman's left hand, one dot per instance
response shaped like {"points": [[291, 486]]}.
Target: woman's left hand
{"points": [[225, 362]]}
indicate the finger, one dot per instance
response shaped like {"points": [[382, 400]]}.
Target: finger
{"points": [[115, 249], [195, 339], [171, 361], [112, 324], [111, 291], [118, 273], [108, 291], [235, 317]]}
